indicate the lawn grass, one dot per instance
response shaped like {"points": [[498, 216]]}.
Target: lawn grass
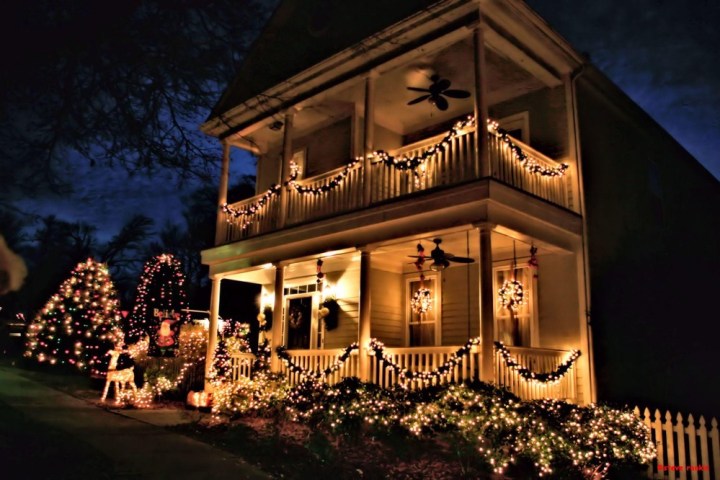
{"points": [[291, 450]]}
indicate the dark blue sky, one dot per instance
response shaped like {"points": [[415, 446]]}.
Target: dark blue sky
{"points": [[660, 52]]}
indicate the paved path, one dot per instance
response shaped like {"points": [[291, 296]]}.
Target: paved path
{"points": [[142, 450]]}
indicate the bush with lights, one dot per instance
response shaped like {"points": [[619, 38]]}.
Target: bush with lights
{"points": [[80, 323], [509, 437]]}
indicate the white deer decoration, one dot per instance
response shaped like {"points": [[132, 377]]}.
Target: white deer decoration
{"points": [[119, 377]]}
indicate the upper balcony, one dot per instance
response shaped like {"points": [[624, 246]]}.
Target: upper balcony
{"points": [[437, 162], [393, 117]]}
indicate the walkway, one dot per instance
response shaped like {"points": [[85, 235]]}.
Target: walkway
{"points": [[141, 448]]}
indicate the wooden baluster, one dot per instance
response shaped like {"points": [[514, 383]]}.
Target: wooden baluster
{"points": [[692, 442], [681, 459]]}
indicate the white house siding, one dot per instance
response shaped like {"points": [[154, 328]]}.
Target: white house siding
{"points": [[387, 317], [460, 304]]}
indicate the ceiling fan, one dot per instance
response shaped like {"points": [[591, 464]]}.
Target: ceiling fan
{"points": [[441, 260], [437, 91]]}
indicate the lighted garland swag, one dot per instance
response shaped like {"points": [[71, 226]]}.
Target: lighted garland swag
{"points": [[378, 350], [403, 164]]}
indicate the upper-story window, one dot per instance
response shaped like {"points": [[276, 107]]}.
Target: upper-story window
{"points": [[517, 126]]}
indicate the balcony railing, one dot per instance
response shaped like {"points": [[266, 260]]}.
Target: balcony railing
{"points": [[455, 163], [428, 359]]}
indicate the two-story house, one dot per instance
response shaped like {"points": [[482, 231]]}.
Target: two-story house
{"points": [[421, 164]]}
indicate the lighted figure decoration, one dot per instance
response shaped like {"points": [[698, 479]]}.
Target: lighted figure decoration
{"points": [[121, 373], [79, 323], [160, 306]]}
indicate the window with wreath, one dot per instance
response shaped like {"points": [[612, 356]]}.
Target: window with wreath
{"points": [[423, 310], [514, 305]]}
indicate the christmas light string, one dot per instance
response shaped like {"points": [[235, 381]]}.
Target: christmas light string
{"points": [[414, 164], [544, 378], [313, 374], [377, 349]]}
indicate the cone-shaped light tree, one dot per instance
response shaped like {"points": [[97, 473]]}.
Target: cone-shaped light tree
{"points": [[160, 305], [80, 323]]}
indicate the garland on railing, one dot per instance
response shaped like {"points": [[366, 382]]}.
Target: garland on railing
{"points": [[377, 348], [414, 164], [527, 163], [417, 162], [335, 182], [251, 209], [527, 374], [304, 372]]}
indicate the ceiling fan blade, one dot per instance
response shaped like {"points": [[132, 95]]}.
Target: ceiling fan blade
{"points": [[443, 84], [456, 93], [417, 89], [461, 260], [418, 100], [441, 103]]}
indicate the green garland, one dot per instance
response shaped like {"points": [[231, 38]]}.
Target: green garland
{"points": [[550, 377], [378, 350], [313, 374]]}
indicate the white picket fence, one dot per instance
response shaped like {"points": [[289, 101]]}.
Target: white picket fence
{"points": [[684, 449]]}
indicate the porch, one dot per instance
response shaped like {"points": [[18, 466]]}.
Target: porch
{"points": [[435, 163]]}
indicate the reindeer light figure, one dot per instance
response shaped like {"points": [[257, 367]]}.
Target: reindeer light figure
{"points": [[119, 377]]}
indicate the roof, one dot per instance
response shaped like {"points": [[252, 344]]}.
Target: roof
{"points": [[301, 33]]}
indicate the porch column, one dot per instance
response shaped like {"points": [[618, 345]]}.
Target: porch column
{"points": [[368, 136], [221, 224], [277, 326], [285, 168], [364, 320], [481, 104], [213, 328], [487, 308]]}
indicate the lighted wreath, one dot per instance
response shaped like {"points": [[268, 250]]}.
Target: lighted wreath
{"points": [[511, 294], [296, 318], [421, 301]]}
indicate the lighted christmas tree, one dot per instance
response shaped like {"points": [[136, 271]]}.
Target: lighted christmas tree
{"points": [[79, 323], [160, 305]]}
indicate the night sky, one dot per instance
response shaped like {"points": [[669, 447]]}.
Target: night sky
{"points": [[661, 53]]}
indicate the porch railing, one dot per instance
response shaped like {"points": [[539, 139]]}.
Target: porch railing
{"points": [[428, 359], [423, 359], [538, 360], [319, 360], [241, 365], [455, 163]]}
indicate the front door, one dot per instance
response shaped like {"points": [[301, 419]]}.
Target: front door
{"points": [[300, 323]]}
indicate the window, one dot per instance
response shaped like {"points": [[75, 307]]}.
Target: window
{"points": [[423, 328], [516, 327], [301, 322]]}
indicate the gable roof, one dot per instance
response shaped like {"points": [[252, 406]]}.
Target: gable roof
{"points": [[301, 33]]}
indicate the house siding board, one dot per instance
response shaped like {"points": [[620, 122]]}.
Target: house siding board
{"points": [[327, 148], [548, 119], [558, 302], [460, 304], [651, 211], [387, 317]]}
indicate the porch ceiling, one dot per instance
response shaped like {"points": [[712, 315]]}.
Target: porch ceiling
{"points": [[506, 80]]}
